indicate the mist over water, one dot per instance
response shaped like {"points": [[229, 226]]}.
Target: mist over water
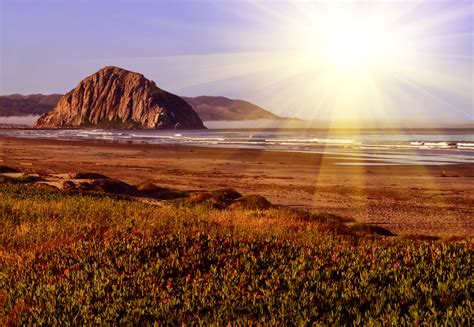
{"points": [[258, 123], [19, 120]]}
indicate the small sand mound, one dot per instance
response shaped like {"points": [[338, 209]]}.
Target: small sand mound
{"points": [[370, 230], [148, 187], [199, 197], [87, 175], [253, 201], [221, 198], [151, 190], [111, 186], [226, 194], [208, 198], [6, 170], [30, 179]]}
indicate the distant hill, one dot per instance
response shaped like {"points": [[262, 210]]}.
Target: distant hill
{"points": [[221, 108], [25, 105], [209, 108]]}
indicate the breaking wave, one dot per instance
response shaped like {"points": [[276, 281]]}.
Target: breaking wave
{"points": [[455, 145]]}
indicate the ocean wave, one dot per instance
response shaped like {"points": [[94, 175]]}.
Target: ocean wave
{"points": [[456, 144], [87, 132], [315, 140], [469, 146], [443, 145]]}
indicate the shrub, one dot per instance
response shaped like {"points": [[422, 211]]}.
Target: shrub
{"points": [[220, 198], [20, 179], [88, 175], [6, 169], [251, 202]]}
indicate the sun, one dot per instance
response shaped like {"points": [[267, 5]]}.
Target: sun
{"points": [[348, 57], [361, 61], [351, 44], [348, 42]]}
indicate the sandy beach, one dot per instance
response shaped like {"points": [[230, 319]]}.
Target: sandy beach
{"points": [[427, 200]]}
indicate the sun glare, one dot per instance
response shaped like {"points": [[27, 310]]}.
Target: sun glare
{"points": [[351, 44], [349, 56]]}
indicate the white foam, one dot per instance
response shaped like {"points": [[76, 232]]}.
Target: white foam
{"points": [[409, 149], [434, 145], [467, 146], [313, 140]]}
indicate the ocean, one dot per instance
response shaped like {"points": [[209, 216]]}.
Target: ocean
{"points": [[386, 147]]}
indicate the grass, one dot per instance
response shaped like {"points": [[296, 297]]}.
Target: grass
{"points": [[111, 124], [73, 258]]}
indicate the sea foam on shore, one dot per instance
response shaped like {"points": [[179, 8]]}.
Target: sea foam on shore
{"points": [[419, 147]]}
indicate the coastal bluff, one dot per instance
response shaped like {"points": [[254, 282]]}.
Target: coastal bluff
{"points": [[116, 98]]}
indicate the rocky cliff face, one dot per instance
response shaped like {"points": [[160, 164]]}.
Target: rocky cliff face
{"points": [[117, 98]]}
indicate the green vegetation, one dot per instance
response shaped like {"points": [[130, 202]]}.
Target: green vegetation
{"points": [[80, 258], [111, 124]]}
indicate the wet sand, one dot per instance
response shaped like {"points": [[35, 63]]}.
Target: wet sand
{"points": [[427, 200]]}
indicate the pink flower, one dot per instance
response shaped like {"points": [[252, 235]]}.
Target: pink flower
{"points": [[395, 265], [165, 300]]}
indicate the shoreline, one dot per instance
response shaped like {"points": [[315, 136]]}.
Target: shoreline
{"points": [[434, 149], [332, 155], [406, 199], [336, 130]]}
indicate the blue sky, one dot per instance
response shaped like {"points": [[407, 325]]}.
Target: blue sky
{"points": [[253, 50]]}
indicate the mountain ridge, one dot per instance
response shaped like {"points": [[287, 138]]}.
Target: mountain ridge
{"points": [[24, 105], [219, 108], [209, 108]]}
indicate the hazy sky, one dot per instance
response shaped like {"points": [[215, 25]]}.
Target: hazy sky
{"points": [[326, 59]]}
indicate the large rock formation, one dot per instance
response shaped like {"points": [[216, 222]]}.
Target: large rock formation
{"points": [[117, 98]]}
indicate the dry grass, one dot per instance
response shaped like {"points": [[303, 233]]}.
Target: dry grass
{"points": [[27, 221]]}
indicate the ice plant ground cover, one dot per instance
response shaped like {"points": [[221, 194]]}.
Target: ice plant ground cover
{"points": [[94, 259]]}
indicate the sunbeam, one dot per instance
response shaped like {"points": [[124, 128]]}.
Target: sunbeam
{"points": [[344, 58]]}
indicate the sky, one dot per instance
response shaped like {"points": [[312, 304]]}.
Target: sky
{"points": [[329, 60]]}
